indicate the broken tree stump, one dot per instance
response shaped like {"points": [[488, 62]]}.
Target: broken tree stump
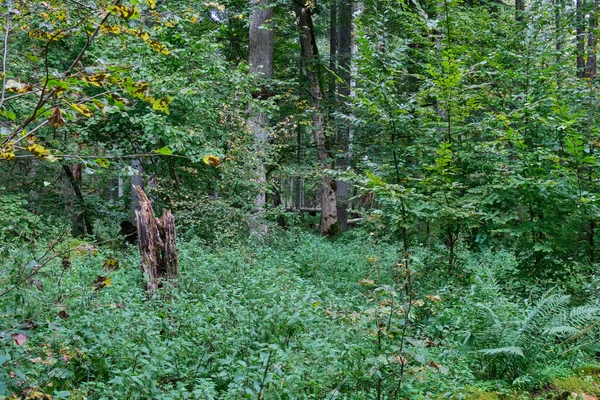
{"points": [[157, 244]]}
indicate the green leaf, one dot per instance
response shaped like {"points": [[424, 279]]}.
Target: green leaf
{"points": [[164, 151], [102, 162]]}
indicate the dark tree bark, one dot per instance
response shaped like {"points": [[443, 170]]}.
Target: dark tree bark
{"points": [[580, 39], [343, 188], [73, 174], [329, 225], [519, 8], [260, 62], [333, 47], [590, 67]]}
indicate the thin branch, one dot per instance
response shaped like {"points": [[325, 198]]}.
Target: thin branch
{"points": [[5, 55], [71, 156], [90, 39], [43, 98]]}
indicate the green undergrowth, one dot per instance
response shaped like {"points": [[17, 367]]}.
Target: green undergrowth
{"points": [[297, 317]]}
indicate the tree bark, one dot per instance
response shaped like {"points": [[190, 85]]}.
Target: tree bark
{"points": [[136, 180], [580, 39], [73, 174], [590, 67], [157, 243], [343, 188], [328, 225], [519, 8], [260, 62]]}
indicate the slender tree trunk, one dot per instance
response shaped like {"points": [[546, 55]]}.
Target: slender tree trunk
{"points": [[73, 174], [580, 39], [260, 61], [310, 54], [333, 48], [519, 8], [300, 160], [136, 180], [343, 188], [590, 67]]}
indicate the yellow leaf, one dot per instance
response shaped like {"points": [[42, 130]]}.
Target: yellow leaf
{"points": [[38, 150], [158, 47], [162, 104], [211, 160], [125, 12], [83, 109], [152, 3], [96, 79]]}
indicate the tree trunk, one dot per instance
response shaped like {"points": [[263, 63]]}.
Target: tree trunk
{"points": [[343, 161], [580, 39], [519, 8], [328, 225], [333, 48], [260, 62], [590, 68], [136, 180], [157, 243], [73, 174]]}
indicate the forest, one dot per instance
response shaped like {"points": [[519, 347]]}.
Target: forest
{"points": [[299, 199]]}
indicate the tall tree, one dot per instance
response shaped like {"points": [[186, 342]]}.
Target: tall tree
{"points": [[580, 38], [343, 188], [260, 61], [590, 67], [310, 54]]}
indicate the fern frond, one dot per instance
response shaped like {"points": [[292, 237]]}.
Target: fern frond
{"points": [[510, 350]]}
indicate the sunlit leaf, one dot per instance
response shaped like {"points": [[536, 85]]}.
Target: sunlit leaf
{"points": [[102, 162], [162, 104], [82, 109], [164, 151], [211, 160]]}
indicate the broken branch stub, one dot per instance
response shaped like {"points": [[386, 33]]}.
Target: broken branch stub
{"points": [[157, 243]]}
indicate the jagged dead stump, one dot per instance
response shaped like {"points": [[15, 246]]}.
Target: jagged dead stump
{"points": [[156, 240]]}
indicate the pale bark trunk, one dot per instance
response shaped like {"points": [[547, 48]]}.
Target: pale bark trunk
{"points": [[136, 180], [310, 54], [343, 188], [260, 62]]}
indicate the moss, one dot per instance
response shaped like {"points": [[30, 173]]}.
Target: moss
{"points": [[577, 384], [588, 370]]}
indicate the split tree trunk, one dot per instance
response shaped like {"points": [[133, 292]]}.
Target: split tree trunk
{"points": [[302, 9], [157, 243], [260, 62]]}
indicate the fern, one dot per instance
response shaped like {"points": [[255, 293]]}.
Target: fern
{"points": [[511, 350], [513, 341]]}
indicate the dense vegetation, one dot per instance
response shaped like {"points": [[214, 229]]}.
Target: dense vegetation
{"points": [[373, 199]]}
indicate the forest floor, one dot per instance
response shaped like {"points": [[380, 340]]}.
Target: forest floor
{"points": [[296, 318]]}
